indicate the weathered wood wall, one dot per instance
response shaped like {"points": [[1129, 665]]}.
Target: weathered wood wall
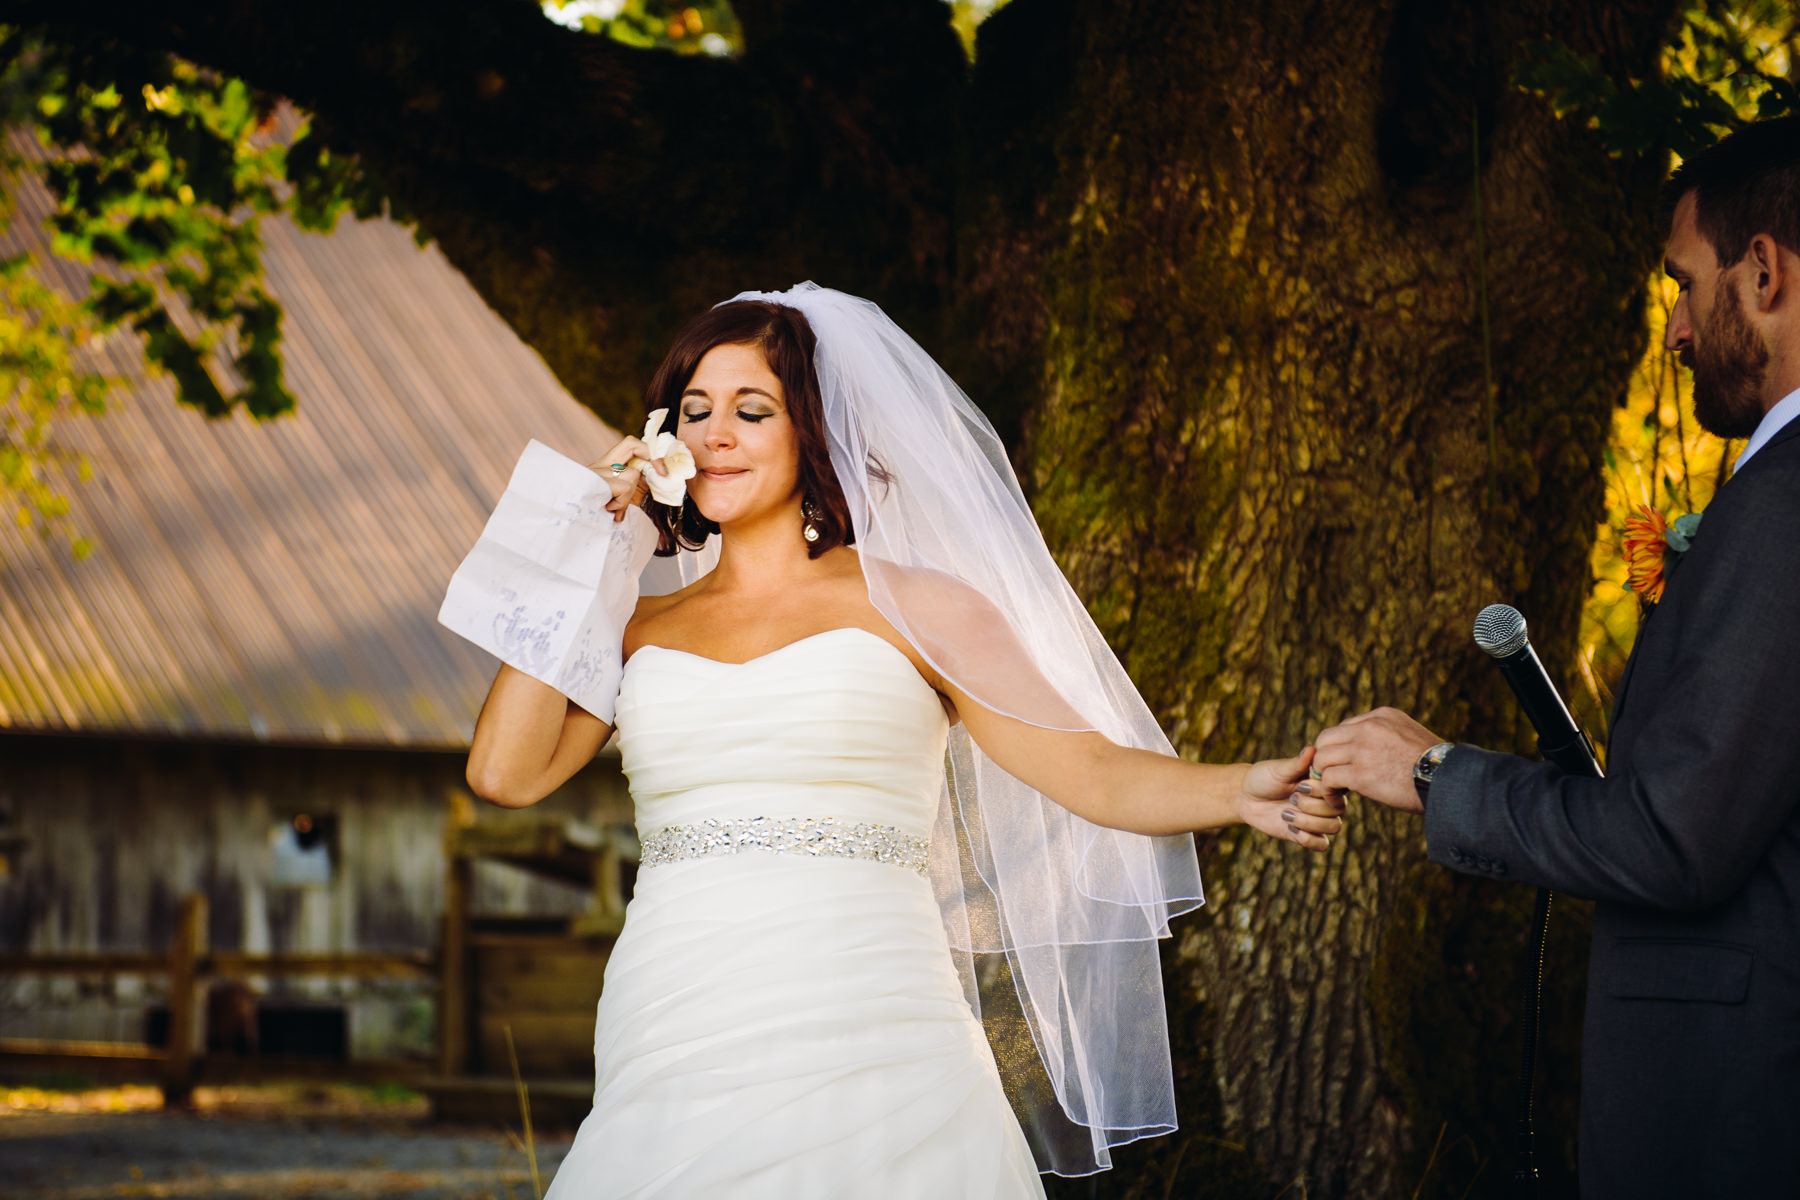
{"points": [[115, 832]]}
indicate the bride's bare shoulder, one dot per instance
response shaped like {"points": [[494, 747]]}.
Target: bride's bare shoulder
{"points": [[947, 601], [949, 598], [645, 616]]}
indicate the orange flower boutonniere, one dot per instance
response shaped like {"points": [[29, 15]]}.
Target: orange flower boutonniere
{"points": [[1652, 546]]}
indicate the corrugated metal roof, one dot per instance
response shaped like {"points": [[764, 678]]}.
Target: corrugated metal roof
{"points": [[281, 581]]}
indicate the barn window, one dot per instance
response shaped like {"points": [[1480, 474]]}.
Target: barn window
{"points": [[304, 850]]}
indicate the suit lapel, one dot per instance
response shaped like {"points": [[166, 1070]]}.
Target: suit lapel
{"points": [[1631, 660]]}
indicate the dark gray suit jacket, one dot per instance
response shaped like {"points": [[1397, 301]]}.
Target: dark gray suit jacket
{"points": [[1691, 847]]}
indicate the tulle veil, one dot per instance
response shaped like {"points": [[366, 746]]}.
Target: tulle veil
{"points": [[1054, 921]]}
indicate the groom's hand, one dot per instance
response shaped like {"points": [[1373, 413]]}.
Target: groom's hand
{"points": [[1374, 754]]}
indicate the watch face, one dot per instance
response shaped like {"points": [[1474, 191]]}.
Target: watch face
{"points": [[1430, 761]]}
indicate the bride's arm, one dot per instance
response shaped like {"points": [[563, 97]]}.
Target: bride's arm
{"points": [[1145, 792], [529, 740], [1140, 791]]}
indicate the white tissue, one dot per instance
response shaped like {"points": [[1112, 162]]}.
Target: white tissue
{"points": [[553, 579]]}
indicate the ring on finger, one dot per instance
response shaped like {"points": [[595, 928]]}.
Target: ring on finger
{"points": [[616, 468]]}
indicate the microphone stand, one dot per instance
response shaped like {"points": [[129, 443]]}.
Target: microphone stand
{"points": [[1575, 758], [1500, 631], [1525, 1174]]}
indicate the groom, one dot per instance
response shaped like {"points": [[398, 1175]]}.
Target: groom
{"points": [[1691, 845]]}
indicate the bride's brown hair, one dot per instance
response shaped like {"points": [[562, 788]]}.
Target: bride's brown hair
{"points": [[787, 343]]}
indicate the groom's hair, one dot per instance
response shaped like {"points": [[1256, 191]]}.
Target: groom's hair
{"points": [[1747, 184]]}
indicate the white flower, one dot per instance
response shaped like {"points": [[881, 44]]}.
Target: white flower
{"points": [[676, 458]]}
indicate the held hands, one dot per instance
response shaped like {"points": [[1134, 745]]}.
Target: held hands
{"points": [[1280, 800], [1374, 754]]}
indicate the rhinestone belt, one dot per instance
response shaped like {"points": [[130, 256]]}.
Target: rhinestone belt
{"points": [[818, 836]]}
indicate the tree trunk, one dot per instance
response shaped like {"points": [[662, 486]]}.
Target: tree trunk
{"points": [[1212, 268], [1249, 359]]}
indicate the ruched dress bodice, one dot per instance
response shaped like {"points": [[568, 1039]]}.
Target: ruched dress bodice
{"points": [[835, 725], [784, 1019]]}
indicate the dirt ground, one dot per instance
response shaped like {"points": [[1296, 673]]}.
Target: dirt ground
{"points": [[273, 1143]]}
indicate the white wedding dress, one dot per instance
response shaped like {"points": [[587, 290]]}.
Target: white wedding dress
{"points": [[785, 1021]]}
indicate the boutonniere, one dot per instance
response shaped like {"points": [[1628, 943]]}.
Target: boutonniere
{"points": [[676, 458], [1654, 545]]}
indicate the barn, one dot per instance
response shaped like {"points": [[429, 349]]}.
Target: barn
{"points": [[243, 696]]}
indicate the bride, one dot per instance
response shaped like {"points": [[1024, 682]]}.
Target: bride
{"points": [[891, 786]]}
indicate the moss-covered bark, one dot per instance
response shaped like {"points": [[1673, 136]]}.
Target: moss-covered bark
{"points": [[1211, 266], [1256, 437]]}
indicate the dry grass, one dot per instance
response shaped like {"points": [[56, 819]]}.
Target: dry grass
{"points": [[324, 1101]]}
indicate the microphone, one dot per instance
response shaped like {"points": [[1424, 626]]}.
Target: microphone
{"points": [[1500, 630]]}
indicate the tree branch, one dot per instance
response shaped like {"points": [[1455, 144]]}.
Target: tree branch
{"points": [[596, 194], [498, 88]]}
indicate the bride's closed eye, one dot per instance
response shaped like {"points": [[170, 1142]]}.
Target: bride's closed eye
{"points": [[701, 415]]}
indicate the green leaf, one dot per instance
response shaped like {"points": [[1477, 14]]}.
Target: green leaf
{"points": [[1779, 99], [260, 361], [1721, 73], [113, 302], [1570, 82], [165, 346]]}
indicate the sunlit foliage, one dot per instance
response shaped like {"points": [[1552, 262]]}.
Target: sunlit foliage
{"points": [[161, 172], [1728, 65], [707, 27], [710, 27], [41, 379]]}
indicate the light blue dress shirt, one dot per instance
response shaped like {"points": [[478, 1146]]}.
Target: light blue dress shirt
{"points": [[1784, 410]]}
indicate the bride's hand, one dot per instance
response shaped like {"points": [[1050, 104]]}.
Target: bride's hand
{"points": [[625, 480], [1273, 802]]}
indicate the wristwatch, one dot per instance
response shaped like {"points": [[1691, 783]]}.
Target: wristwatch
{"points": [[1427, 766]]}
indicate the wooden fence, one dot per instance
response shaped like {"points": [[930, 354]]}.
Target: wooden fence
{"points": [[182, 1062], [514, 993]]}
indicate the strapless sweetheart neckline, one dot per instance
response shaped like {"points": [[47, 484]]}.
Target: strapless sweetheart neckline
{"points": [[799, 641]]}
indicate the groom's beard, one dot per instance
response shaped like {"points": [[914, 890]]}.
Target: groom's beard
{"points": [[1729, 363]]}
